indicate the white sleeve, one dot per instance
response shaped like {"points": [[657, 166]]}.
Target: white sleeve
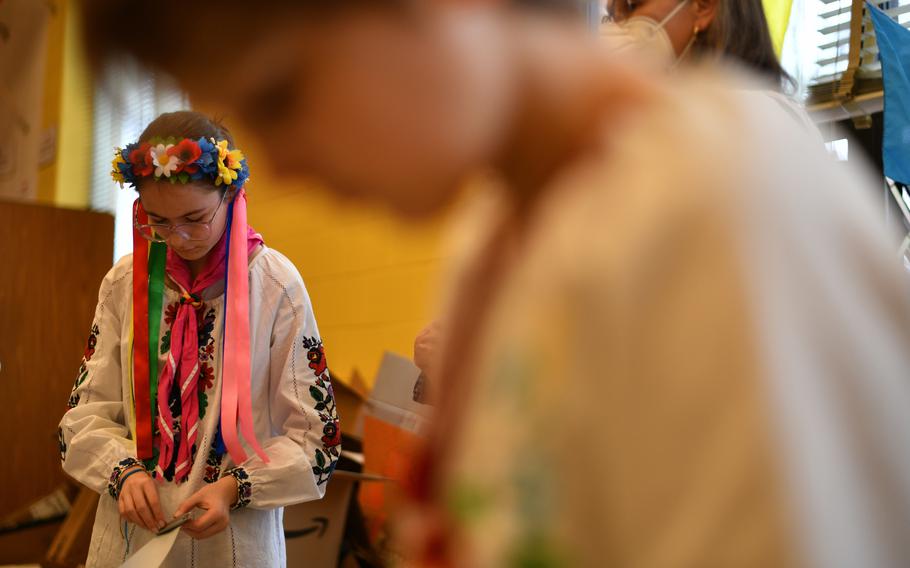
{"points": [[302, 407], [95, 442]]}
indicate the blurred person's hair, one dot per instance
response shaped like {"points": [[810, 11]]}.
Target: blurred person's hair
{"points": [[740, 33], [141, 28], [137, 27]]}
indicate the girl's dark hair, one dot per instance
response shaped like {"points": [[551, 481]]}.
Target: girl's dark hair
{"points": [[740, 33], [186, 124], [135, 28]]}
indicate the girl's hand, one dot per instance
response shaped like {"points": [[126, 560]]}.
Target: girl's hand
{"points": [[138, 502], [216, 500]]}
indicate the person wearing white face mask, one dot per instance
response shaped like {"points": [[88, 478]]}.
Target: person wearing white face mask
{"points": [[675, 30], [668, 33], [648, 36]]}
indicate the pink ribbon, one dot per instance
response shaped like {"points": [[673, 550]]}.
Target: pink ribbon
{"points": [[236, 403]]}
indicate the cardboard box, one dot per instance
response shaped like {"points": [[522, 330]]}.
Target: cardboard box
{"points": [[314, 531]]}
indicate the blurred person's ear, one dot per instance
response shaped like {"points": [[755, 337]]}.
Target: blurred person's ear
{"points": [[705, 12]]}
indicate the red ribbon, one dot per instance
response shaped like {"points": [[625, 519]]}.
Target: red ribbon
{"points": [[141, 388]]}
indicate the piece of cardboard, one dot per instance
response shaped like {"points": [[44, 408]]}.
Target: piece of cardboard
{"points": [[393, 397]]}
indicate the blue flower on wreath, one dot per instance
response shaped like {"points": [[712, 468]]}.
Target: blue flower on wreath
{"points": [[208, 161], [242, 175], [126, 167]]}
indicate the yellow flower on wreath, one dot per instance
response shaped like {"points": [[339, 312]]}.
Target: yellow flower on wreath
{"points": [[228, 163], [225, 175], [115, 171]]}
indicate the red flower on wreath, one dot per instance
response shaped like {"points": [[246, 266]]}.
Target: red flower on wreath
{"points": [[331, 434], [141, 158], [187, 151], [316, 355]]}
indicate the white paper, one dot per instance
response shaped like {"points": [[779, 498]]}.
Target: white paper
{"points": [[153, 553]]}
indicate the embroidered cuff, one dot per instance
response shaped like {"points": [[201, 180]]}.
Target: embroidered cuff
{"points": [[113, 487], [61, 444], [244, 487]]}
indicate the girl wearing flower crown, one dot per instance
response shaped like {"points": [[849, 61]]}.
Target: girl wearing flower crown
{"points": [[204, 389]]}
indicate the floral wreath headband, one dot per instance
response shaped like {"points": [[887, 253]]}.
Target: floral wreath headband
{"points": [[180, 160]]}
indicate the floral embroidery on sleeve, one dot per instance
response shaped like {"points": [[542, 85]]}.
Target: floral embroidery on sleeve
{"points": [[113, 486], [83, 368], [213, 466], [244, 487], [61, 444], [324, 397]]}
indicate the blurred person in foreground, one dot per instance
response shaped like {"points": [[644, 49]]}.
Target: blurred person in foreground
{"points": [[666, 34], [679, 336]]}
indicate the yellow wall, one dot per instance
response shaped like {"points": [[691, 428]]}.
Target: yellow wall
{"points": [[777, 13], [67, 107], [371, 278], [50, 108], [74, 142]]}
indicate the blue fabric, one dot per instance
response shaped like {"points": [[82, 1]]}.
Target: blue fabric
{"points": [[894, 51]]}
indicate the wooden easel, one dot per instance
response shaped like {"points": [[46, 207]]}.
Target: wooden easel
{"points": [[69, 548]]}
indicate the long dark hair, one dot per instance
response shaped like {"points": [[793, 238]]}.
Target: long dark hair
{"points": [[740, 33]]}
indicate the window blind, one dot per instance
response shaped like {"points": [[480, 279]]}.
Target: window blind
{"points": [[843, 66], [126, 98]]}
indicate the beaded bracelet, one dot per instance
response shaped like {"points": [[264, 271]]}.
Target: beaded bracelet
{"points": [[126, 475], [113, 486]]}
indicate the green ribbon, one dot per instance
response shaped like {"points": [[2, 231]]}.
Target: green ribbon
{"points": [[157, 262]]}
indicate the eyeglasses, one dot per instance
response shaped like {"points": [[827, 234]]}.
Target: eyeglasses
{"points": [[159, 233]]}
